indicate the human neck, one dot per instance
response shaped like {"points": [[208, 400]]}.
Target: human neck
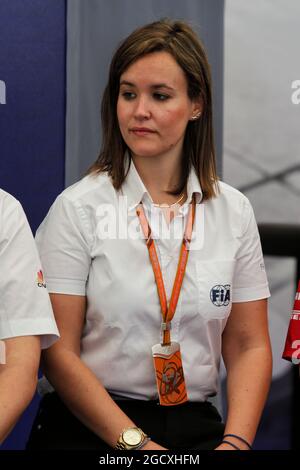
{"points": [[159, 174]]}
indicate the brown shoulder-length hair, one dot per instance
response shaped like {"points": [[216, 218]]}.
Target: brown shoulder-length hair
{"points": [[178, 39]]}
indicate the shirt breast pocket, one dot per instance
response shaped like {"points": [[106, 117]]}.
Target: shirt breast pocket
{"points": [[214, 280]]}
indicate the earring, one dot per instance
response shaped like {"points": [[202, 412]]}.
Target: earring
{"points": [[194, 118]]}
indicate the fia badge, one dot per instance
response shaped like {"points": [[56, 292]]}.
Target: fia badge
{"points": [[169, 374], [2, 353]]}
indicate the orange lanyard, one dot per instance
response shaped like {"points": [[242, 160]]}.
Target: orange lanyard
{"points": [[168, 312]]}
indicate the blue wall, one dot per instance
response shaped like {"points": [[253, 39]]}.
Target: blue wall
{"points": [[32, 122]]}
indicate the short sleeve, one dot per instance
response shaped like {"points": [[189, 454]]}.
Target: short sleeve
{"points": [[250, 279], [25, 307], [64, 248]]}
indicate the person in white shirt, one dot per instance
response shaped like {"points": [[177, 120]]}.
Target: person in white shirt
{"points": [[26, 317], [113, 297]]}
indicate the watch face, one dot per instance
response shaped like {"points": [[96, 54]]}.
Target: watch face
{"points": [[132, 436]]}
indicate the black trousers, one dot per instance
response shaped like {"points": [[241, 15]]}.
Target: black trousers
{"points": [[190, 426]]}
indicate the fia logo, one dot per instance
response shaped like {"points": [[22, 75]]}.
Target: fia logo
{"points": [[220, 295], [2, 92]]}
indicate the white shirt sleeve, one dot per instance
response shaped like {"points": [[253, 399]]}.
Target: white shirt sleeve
{"points": [[64, 249], [250, 280], [25, 307]]}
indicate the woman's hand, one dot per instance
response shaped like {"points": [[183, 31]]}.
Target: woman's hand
{"points": [[21, 368], [248, 360], [151, 445], [224, 447], [76, 384]]}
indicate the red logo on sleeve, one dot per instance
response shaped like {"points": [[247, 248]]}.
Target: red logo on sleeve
{"points": [[40, 279]]}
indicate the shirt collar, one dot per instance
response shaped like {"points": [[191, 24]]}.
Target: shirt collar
{"points": [[133, 186], [135, 190], [193, 186]]}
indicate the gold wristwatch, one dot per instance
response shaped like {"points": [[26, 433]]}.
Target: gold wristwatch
{"points": [[131, 439]]}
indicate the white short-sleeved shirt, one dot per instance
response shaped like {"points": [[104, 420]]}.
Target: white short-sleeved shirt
{"points": [[82, 255], [25, 307]]}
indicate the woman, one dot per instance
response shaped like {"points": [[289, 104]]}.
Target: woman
{"points": [[156, 166], [26, 317]]}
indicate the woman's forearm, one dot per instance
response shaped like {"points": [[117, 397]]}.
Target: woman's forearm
{"points": [[86, 397], [17, 387], [248, 382]]}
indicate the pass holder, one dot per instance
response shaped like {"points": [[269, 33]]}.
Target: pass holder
{"points": [[166, 355], [169, 373]]}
